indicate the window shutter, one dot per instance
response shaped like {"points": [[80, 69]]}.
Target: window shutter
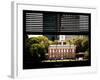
{"points": [[74, 23], [34, 22], [56, 22]]}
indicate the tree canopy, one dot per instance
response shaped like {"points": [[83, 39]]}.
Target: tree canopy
{"points": [[37, 46], [81, 42]]}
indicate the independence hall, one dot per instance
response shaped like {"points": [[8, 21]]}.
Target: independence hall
{"points": [[61, 51]]}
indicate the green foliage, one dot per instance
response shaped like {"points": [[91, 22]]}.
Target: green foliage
{"points": [[55, 42], [37, 47], [38, 51], [85, 44], [50, 42], [81, 42]]}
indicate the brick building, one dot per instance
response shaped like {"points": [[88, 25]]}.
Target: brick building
{"points": [[61, 52]]}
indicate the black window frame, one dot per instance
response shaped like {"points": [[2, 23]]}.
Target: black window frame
{"points": [[58, 31]]}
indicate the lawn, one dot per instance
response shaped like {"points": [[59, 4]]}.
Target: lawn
{"points": [[66, 60]]}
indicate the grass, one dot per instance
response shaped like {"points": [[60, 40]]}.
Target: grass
{"points": [[66, 60]]}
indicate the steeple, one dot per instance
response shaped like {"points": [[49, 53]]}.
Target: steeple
{"points": [[62, 39]]}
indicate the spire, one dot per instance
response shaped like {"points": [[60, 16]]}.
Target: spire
{"points": [[62, 39]]}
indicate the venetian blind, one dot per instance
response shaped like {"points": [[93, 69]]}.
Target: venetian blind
{"points": [[74, 23], [54, 22], [34, 22]]}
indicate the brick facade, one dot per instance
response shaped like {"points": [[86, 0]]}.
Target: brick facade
{"points": [[61, 51]]}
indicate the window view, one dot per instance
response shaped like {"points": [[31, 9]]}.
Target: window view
{"points": [[55, 39]]}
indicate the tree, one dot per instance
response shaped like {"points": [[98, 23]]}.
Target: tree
{"points": [[38, 52], [85, 44], [36, 47], [81, 42]]}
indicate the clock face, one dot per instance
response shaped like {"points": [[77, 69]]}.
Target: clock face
{"points": [[61, 37]]}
